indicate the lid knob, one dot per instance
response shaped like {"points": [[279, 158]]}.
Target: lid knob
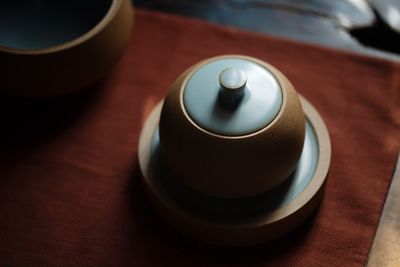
{"points": [[233, 85]]}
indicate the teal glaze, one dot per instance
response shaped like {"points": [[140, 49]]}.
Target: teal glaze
{"points": [[232, 88], [39, 24], [266, 202], [306, 167], [232, 79], [260, 104]]}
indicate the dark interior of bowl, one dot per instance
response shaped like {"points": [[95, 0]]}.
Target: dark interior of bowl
{"points": [[38, 24]]}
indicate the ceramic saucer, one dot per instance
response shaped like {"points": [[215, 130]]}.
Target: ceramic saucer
{"points": [[244, 221]]}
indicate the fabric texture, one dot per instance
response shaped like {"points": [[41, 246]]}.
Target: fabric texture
{"points": [[70, 191]]}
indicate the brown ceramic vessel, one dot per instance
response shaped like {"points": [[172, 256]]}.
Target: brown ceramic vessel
{"points": [[229, 166], [65, 67]]}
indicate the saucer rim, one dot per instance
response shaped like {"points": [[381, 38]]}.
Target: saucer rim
{"points": [[228, 231]]}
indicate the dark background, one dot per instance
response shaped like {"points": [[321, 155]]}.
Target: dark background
{"points": [[367, 27]]}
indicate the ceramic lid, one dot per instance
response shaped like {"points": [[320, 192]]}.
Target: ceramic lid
{"points": [[232, 96]]}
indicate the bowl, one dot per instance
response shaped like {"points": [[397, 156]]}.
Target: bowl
{"points": [[50, 48], [231, 126]]}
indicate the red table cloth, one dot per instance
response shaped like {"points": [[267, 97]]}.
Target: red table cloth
{"points": [[70, 192]]}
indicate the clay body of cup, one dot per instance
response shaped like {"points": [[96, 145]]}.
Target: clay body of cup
{"points": [[231, 166], [50, 48]]}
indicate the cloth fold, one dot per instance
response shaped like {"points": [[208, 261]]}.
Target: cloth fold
{"points": [[70, 192]]}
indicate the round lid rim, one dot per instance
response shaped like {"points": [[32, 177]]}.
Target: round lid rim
{"points": [[260, 63]]}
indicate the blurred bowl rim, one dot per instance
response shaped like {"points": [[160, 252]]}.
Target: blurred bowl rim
{"points": [[102, 24]]}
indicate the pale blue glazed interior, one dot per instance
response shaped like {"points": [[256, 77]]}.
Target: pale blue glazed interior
{"points": [[269, 201], [36, 24], [260, 104]]}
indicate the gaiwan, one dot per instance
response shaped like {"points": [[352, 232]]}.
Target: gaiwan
{"points": [[234, 155]]}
